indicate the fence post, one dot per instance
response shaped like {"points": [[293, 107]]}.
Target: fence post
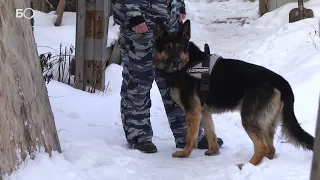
{"points": [[315, 168], [79, 51], [105, 38], [91, 41]]}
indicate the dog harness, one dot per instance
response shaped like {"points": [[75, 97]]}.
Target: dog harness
{"points": [[202, 72]]}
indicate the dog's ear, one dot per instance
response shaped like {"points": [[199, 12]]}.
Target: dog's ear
{"points": [[159, 30], [185, 30], [207, 49]]}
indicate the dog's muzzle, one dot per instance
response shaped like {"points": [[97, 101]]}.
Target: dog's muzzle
{"points": [[174, 65]]}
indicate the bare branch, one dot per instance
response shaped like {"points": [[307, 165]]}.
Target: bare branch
{"points": [[312, 37], [50, 5]]}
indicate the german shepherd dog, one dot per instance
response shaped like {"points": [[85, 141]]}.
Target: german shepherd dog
{"points": [[263, 98]]}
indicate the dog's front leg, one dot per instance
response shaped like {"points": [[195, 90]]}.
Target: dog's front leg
{"points": [[193, 117], [208, 126]]}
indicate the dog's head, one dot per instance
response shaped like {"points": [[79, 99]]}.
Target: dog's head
{"points": [[171, 51]]}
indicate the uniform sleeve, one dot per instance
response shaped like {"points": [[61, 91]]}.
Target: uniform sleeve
{"points": [[183, 7], [133, 13]]}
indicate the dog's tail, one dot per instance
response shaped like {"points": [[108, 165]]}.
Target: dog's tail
{"points": [[290, 126]]}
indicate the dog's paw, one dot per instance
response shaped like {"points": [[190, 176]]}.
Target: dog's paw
{"points": [[240, 165], [211, 152], [270, 156], [180, 154]]}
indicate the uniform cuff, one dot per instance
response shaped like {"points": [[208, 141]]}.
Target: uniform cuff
{"points": [[182, 10], [134, 21]]}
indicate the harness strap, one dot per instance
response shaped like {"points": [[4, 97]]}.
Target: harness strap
{"points": [[205, 81], [202, 72]]}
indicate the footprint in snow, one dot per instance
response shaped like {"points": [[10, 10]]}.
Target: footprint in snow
{"points": [[73, 115]]}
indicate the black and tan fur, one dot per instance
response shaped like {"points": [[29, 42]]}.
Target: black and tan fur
{"points": [[263, 98]]}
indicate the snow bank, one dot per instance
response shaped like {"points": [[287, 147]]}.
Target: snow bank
{"points": [[48, 35], [280, 16]]}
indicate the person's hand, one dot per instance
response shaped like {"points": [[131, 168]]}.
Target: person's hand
{"points": [[141, 28], [181, 17]]}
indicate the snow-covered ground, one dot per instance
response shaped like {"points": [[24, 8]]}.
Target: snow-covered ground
{"points": [[89, 125]]}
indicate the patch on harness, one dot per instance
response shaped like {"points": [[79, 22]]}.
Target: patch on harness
{"points": [[198, 70]]}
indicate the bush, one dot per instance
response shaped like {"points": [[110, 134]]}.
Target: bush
{"points": [[56, 65]]}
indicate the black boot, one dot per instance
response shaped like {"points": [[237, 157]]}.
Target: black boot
{"points": [[202, 144], [146, 147]]}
